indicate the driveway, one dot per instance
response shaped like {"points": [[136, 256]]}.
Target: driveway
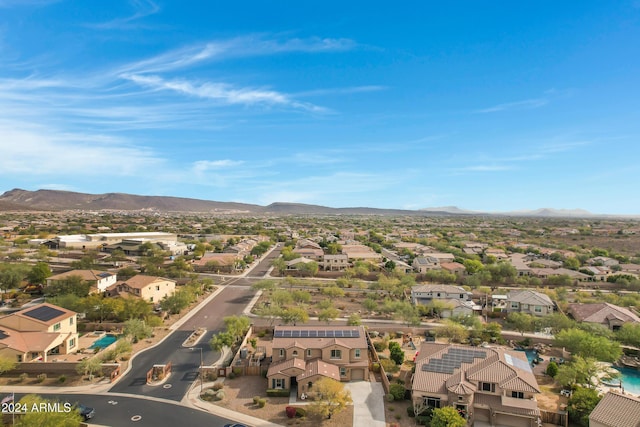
{"points": [[368, 403]]}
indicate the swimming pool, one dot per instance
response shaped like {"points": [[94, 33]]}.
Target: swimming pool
{"points": [[103, 342], [630, 380], [532, 355]]}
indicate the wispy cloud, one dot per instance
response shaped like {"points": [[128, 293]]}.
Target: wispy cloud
{"points": [[143, 8], [202, 166], [223, 92], [342, 90], [484, 168], [526, 104], [40, 150], [246, 46]]}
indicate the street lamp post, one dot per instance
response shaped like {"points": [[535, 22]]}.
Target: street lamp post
{"points": [[200, 369]]}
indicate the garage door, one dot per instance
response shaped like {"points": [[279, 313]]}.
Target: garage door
{"points": [[481, 415], [357, 374], [512, 421]]}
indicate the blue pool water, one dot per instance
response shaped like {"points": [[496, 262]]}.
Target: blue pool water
{"points": [[630, 380], [103, 342], [531, 355]]}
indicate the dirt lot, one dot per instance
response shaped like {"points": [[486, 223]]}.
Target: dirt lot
{"points": [[239, 397]]}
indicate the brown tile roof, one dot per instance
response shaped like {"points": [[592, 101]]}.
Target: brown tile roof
{"points": [[86, 275], [617, 410], [318, 367], [286, 364], [319, 343], [508, 405], [601, 312], [140, 281], [509, 369]]}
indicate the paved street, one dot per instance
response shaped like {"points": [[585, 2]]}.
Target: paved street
{"points": [[112, 410]]}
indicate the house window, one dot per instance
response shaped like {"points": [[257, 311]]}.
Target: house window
{"points": [[282, 352], [150, 299], [461, 296], [157, 287], [432, 402], [517, 394], [514, 305], [357, 353], [308, 352], [336, 354], [71, 320], [56, 327], [72, 342], [490, 387], [538, 309], [294, 353], [277, 383], [19, 358], [343, 372]]}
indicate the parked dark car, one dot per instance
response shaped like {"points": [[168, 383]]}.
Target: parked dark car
{"points": [[85, 411]]}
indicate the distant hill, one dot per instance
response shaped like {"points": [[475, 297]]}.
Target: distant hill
{"points": [[56, 200]]}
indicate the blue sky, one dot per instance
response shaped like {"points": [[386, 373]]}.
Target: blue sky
{"points": [[491, 106]]}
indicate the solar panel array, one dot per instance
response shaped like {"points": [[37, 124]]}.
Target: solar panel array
{"points": [[44, 313], [452, 360], [337, 333], [103, 275], [518, 363]]}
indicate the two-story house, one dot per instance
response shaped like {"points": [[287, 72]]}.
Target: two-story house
{"points": [[488, 384], [98, 280], [301, 355], [529, 302], [149, 288], [423, 264], [38, 333], [616, 410], [337, 262]]}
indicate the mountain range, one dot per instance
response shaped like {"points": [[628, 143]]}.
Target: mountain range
{"points": [[56, 200]]}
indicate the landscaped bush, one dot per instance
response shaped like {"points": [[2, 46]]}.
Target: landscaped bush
{"points": [[262, 403], [62, 378], [255, 399], [390, 397], [208, 394], [290, 411], [220, 394], [41, 377], [301, 412], [397, 391], [277, 392], [23, 377], [380, 346], [375, 367], [411, 412], [218, 386]]}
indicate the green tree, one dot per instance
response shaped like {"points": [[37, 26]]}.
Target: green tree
{"points": [[62, 418], [629, 334], [328, 314], [90, 367], [455, 332], [330, 398], [7, 364], [473, 266], [280, 265], [581, 404], [333, 292], [221, 340], [39, 273], [137, 329], [293, 315], [309, 269], [447, 417], [237, 326], [520, 322], [552, 369], [71, 285], [582, 343], [354, 320]]}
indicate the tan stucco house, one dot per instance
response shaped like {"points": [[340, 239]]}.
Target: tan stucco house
{"points": [[485, 384], [303, 354], [38, 333], [149, 288]]}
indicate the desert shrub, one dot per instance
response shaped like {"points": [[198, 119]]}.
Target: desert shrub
{"points": [[220, 394], [217, 386], [41, 377], [390, 397], [262, 334], [375, 367], [398, 391], [62, 378], [389, 365], [262, 403], [256, 398], [208, 394], [410, 411], [276, 392], [23, 377], [380, 346], [301, 412]]}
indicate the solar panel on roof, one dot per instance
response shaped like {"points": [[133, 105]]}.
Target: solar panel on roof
{"points": [[44, 313], [297, 333], [104, 274]]}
